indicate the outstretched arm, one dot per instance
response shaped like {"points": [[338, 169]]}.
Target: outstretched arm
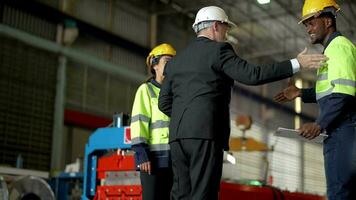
{"points": [[288, 94], [311, 61], [291, 92], [250, 74]]}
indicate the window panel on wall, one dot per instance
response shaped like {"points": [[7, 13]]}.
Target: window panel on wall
{"points": [[52, 3], [172, 31], [92, 46], [117, 55], [285, 163], [27, 88], [314, 174], [271, 117], [79, 137], [117, 17], [124, 58], [98, 92], [76, 81], [120, 96], [75, 140], [246, 106], [280, 119], [249, 165], [131, 23], [94, 11], [29, 23]]}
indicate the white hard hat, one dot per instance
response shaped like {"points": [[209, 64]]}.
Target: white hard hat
{"points": [[212, 13]]}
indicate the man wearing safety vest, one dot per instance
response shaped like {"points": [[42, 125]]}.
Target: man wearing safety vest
{"points": [[335, 94], [149, 130]]}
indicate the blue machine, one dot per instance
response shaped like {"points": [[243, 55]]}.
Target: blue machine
{"points": [[67, 185], [100, 142]]}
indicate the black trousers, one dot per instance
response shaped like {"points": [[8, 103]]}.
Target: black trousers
{"points": [[197, 168], [157, 185]]}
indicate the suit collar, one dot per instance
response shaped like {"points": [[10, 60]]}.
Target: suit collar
{"points": [[202, 38]]}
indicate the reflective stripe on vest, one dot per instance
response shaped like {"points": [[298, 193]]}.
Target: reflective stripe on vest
{"points": [[153, 147], [340, 81], [322, 77], [159, 124], [138, 140], [159, 147], [140, 117], [152, 92]]}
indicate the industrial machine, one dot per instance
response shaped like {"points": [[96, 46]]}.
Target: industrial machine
{"points": [[67, 186], [30, 188], [24, 184], [4, 193], [230, 191], [109, 171], [109, 167]]}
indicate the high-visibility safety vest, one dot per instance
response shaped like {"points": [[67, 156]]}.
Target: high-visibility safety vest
{"points": [[339, 73], [148, 124]]}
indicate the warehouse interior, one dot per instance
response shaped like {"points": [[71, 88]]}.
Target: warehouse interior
{"points": [[68, 67]]}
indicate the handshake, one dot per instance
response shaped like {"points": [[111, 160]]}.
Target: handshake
{"points": [[306, 61]]}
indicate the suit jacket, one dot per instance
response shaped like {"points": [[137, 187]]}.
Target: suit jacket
{"points": [[196, 91]]}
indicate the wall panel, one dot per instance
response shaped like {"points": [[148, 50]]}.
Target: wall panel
{"points": [[27, 88]]}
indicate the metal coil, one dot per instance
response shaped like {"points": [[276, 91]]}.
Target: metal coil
{"points": [[30, 188]]}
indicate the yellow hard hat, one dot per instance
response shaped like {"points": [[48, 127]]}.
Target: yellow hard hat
{"points": [[312, 7], [162, 49]]}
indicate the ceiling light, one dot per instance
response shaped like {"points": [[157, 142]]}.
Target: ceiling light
{"points": [[263, 1]]}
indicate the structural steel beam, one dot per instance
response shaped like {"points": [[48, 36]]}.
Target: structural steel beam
{"points": [[71, 53], [57, 17]]}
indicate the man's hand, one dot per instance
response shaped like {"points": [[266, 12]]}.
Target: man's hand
{"points": [[310, 130], [288, 94], [311, 61], [146, 167]]}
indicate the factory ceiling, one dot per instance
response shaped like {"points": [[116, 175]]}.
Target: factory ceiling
{"points": [[265, 32]]}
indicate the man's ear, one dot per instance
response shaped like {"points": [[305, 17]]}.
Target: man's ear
{"points": [[328, 22], [215, 26]]}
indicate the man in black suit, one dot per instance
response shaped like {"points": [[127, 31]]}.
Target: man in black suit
{"points": [[196, 95]]}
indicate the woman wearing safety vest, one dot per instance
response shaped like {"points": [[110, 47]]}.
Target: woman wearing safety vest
{"points": [[149, 130]]}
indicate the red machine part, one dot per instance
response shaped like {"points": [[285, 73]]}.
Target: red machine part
{"points": [[115, 163], [127, 135], [230, 191], [114, 166], [118, 193]]}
